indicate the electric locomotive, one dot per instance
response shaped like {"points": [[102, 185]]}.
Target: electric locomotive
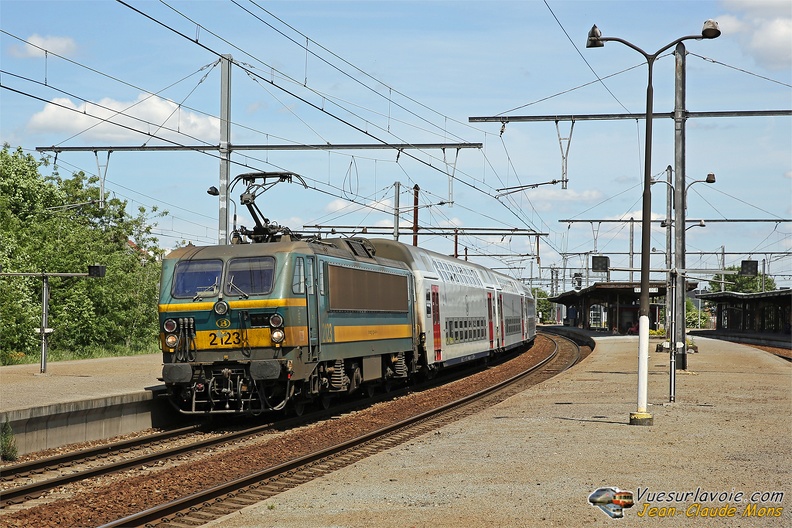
{"points": [[254, 327]]}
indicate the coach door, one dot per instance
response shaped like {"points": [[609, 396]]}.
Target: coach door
{"points": [[490, 321], [502, 321], [436, 323]]}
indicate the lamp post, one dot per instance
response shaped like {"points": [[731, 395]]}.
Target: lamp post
{"points": [[596, 40], [679, 339], [667, 224]]}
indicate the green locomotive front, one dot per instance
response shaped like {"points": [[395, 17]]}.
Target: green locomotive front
{"points": [[249, 328]]}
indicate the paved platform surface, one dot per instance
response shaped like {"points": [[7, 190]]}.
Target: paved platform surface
{"points": [[535, 459], [24, 386]]}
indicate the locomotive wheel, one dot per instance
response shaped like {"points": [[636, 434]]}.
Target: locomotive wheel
{"points": [[371, 390], [299, 407], [327, 401]]}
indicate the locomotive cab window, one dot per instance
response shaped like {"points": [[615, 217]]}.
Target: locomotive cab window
{"points": [[298, 278], [193, 278], [248, 276]]}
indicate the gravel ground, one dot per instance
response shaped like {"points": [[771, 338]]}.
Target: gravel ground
{"points": [[97, 501], [534, 459]]}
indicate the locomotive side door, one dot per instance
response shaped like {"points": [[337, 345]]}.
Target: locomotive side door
{"points": [[312, 305]]}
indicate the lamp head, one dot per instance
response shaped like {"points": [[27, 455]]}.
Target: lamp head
{"points": [[710, 30], [710, 178], [212, 191], [594, 40]]}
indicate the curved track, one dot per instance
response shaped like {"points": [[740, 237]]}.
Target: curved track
{"points": [[232, 496], [46, 474], [284, 473]]}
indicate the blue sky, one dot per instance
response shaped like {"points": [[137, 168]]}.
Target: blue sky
{"points": [[414, 72]]}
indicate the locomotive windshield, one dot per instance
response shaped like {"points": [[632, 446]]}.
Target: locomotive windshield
{"points": [[197, 278], [248, 276]]}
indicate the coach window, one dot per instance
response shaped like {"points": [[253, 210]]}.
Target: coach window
{"points": [[248, 276], [298, 279]]}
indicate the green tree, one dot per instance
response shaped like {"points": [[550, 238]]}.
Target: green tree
{"points": [[543, 306], [695, 318], [51, 224], [743, 284]]}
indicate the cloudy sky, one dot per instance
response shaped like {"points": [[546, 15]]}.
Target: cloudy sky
{"points": [[103, 74]]}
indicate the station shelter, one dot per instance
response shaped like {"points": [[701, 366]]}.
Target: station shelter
{"points": [[612, 306], [757, 313]]}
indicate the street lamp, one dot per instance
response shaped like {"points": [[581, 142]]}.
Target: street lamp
{"points": [[677, 286], [680, 285], [667, 225], [213, 191], [596, 40], [709, 179]]}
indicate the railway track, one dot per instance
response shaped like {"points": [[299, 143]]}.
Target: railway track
{"points": [[224, 497], [46, 474], [50, 473], [230, 497]]}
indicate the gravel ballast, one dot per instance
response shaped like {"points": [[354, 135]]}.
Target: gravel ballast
{"points": [[534, 459]]}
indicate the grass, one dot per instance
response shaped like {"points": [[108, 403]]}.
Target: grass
{"points": [[18, 358]]}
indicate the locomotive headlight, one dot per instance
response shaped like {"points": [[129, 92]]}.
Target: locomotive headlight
{"points": [[276, 320], [221, 308], [169, 325], [277, 335], [171, 340]]}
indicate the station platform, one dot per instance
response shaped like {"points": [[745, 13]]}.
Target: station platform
{"points": [[719, 455], [78, 401]]}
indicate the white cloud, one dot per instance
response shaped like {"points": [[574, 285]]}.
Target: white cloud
{"points": [[763, 28], [114, 121], [338, 205], [59, 45], [547, 198], [383, 206], [384, 223], [759, 8]]}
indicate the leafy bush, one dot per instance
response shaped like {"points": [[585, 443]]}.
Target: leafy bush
{"points": [[55, 225], [8, 448]]}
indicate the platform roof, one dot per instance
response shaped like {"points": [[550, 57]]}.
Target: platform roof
{"points": [[731, 296], [608, 291]]}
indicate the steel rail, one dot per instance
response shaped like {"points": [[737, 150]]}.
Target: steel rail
{"points": [[163, 511], [21, 494], [44, 464]]}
